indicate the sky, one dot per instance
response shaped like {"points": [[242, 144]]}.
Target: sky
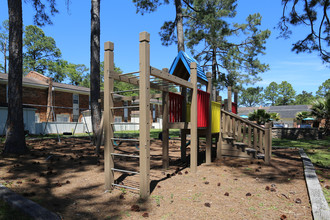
{"points": [[121, 24]]}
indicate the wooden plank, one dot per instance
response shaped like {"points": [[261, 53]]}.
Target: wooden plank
{"points": [[249, 136], [131, 98], [193, 109], [235, 153], [229, 99], [208, 148], [320, 208], [242, 119], [165, 141], [144, 85], [266, 143], [108, 114], [255, 138], [170, 78], [261, 145], [134, 81], [184, 119], [220, 132], [179, 125]]}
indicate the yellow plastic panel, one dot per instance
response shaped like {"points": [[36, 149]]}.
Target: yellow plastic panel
{"points": [[188, 112], [215, 106]]}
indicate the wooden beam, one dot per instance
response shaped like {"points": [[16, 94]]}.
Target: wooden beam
{"points": [[165, 134], [236, 96], [267, 143], [131, 98], [220, 132], [144, 85], [179, 125], [108, 114], [133, 81], [208, 149], [229, 99], [170, 78], [193, 114]]}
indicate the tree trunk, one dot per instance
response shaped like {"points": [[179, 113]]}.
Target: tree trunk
{"points": [[214, 74], [179, 25], [15, 138], [95, 69]]}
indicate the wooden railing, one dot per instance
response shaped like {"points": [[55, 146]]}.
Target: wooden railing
{"points": [[247, 132]]}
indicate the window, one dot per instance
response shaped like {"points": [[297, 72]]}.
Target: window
{"points": [[75, 105], [62, 118], [117, 119], [154, 113], [125, 112], [37, 117]]}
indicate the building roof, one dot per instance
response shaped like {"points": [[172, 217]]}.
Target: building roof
{"points": [[289, 111], [30, 81], [285, 111], [181, 67]]}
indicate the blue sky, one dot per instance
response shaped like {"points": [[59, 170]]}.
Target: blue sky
{"points": [[121, 25]]}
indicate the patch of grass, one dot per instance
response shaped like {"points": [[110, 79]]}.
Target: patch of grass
{"points": [[326, 193], [317, 150], [6, 212], [174, 133]]}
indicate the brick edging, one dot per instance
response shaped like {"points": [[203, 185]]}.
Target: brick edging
{"points": [[25, 205], [320, 208]]}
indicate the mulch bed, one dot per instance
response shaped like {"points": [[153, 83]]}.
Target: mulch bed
{"points": [[67, 178]]}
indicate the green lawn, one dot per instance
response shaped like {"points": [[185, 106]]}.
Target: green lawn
{"points": [[319, 153], [153, 133], [317, 150]]}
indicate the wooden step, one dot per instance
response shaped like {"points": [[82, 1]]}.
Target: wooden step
{"points": [[252, 152], [240, 145], [228, 138]]}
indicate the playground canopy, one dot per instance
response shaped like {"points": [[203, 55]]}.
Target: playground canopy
{"points": [[181, 67]]}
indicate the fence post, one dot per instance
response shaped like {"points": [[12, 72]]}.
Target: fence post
{"points": [[165, 132], [229, 99], [208, 150], [144, 96], [267, 144], [108, 114], [193, 120], [236, 96], [220, 131]]}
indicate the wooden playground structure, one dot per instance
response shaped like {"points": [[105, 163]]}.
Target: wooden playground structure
{"points": [[198, 116]]}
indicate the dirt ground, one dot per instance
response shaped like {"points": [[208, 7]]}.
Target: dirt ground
{"points": [[68, 179]]}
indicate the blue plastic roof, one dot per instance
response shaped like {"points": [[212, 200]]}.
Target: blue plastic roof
{"points": [[186, 60]]}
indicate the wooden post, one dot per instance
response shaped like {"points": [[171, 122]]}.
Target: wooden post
{"points": [[267, 143], [261, 146], [144, 86], [220, 132], [239, 130], [165, 134], [208, 150], [225, 102], [244, 132], [236, 96], [108, 115], [184, 119], [249, 136], [229, 99], [193, 120], [255, 137]]}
